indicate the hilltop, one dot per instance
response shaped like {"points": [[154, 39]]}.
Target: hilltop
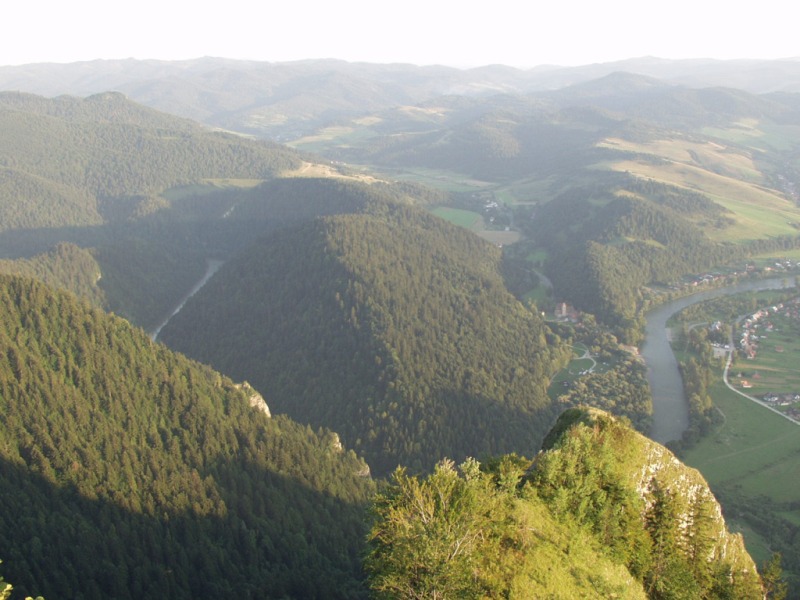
{"points": [[601, 512]]}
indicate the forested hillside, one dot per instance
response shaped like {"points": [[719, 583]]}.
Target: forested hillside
{"points": [[67, 267], [390, 326], [67, 161], [98, 173], [128, 471]]}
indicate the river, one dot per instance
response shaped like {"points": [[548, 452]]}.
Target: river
{"points": [[670, 406], [213, 267]]}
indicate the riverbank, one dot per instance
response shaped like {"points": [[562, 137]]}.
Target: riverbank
{"points": [[670, 406]]}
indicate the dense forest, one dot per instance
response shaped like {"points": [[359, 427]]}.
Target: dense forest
{"points": [[128, 471], [98, 172], [391, 326]]}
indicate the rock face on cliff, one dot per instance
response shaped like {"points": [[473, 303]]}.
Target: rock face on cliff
{"points": [[254, 398], [649, 509], [601, 512]]}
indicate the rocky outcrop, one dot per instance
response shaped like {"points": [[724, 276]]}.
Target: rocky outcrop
{"points": [[596, 469], [255, 399]]}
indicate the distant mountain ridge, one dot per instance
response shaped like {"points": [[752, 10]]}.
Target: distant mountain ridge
{"points": [[280, 100]]}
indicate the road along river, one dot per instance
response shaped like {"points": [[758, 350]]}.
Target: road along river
{"points": [[670, 406], [213, 267]]}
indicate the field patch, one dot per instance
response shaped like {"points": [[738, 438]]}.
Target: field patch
{"points": [[751, 443], [458, 216]]}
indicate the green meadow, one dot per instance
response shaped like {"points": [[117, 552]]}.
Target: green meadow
{"points": [[463, 218], [729, 178]]}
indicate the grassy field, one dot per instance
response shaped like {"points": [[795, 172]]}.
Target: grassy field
{"points": [[540, 296], [463, 218], [581, 364], [754, 448], [758, 134], [211, 186], [332, 137], [727, 176], [449, 181], [771, 257]]}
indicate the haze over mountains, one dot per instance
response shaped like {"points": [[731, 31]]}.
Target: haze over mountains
{"points": [[378, 333], [280, 99]]}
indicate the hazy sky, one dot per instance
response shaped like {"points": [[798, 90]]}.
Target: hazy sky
{"points": [[460, 33]]}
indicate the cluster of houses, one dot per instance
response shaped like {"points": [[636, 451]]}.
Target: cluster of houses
{"points": [[752, 332], [788, 404], [755, 328]]}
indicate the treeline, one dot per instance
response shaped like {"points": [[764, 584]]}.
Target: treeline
{"points": [[602, 512], [697, 373], [128, 471], [391, 326]]}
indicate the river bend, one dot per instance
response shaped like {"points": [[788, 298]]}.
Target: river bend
{"points": [[670, 406]]}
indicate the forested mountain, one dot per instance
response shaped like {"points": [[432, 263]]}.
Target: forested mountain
{"points": [[624, 517], [100, 173], [606, 245], [128, 471], [71, 162], [391, 326]]}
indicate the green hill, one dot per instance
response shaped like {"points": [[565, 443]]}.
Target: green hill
{"points": [[98, 169], [602, 512], [110, 147], [101, 173], [127, 470], [391, 326]]}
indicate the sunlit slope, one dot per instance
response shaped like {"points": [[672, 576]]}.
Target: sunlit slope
{"points": [[729, 176], [128, 471]]}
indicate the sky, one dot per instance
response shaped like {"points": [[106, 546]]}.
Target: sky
{"points": [[464, 33]]}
